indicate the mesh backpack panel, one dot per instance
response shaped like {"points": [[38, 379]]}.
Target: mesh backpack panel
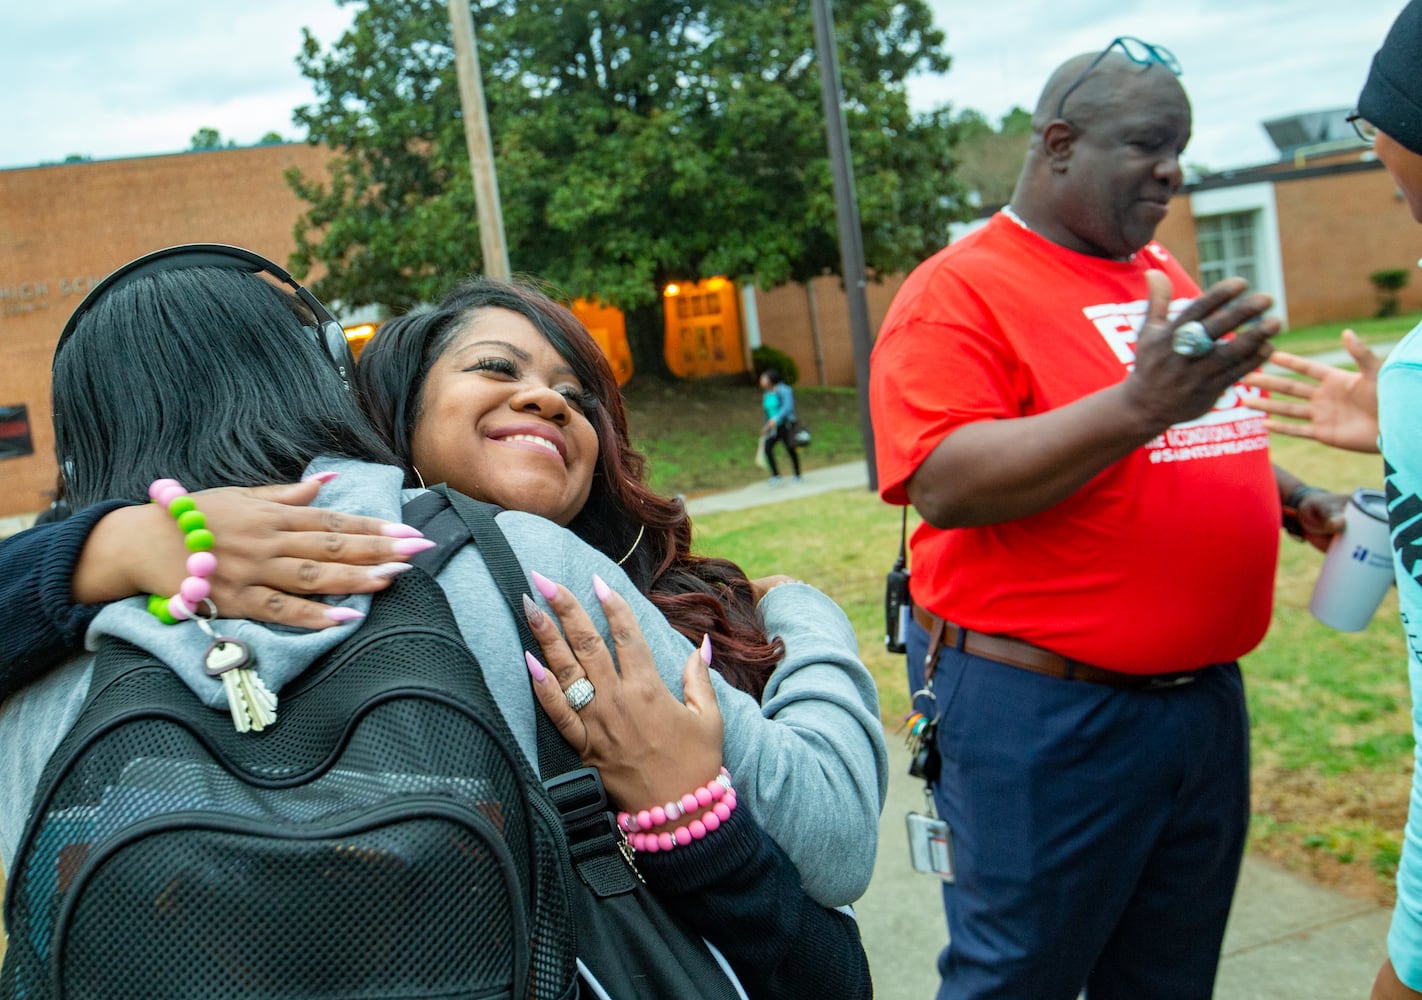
{"points": [[384, 838]]}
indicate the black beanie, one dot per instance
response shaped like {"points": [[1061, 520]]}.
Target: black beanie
{"points": [[1392, 96]]}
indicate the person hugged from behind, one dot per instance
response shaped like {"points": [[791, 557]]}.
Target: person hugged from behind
{"points": [[821, 684]]}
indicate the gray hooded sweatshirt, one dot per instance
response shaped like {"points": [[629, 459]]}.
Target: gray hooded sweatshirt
{"points": [[810, 758]]}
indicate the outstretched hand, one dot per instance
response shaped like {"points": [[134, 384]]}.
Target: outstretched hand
{"points": [[649, 747], [1171, 388], [1337, 407], [271, 548]]}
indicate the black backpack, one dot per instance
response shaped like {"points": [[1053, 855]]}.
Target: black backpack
{"points": [[383, 838], [628, 942]]}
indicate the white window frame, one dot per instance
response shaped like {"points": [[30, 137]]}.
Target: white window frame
{"points": [[1268, 256]]}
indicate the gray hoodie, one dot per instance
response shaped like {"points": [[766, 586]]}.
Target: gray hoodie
{"points": [[810, 759]]}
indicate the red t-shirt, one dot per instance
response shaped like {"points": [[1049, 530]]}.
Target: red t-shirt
{"points": [[1165, 560]]}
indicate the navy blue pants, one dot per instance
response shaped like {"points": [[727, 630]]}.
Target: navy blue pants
{"points": [[1097, 831]]}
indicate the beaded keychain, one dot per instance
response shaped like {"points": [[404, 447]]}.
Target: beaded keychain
{"points": [[252, 705]]}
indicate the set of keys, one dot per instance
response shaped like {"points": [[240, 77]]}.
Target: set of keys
{"points": [[930, 839], [922, 744], [253, 707]]}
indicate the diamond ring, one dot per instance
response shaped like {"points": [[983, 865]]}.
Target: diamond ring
{"points": [[580, 694]]}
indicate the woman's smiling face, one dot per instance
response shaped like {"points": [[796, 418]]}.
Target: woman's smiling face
{"points": [[502, 419]]}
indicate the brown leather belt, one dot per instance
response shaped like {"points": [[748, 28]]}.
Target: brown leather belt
{"points": [[1025, 656]]}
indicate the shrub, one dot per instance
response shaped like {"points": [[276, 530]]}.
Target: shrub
{"points": [[1388, 283], [764, 358]]}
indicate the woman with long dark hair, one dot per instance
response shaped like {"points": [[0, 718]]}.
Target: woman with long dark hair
{"points": [[234, 391], [647, 534]]}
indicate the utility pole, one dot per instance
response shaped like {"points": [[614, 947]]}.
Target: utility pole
{"points": [[481, 146], [851, 238]]}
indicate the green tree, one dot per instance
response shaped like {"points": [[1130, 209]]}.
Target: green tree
{"points": [[209, 138], [1018, 121], [989, 159], [636, 142]]}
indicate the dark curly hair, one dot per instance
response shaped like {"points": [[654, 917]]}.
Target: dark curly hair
{"points": [[649, 535]]}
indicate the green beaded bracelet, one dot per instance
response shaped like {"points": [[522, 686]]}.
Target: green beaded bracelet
{"points": [[198, 540]]}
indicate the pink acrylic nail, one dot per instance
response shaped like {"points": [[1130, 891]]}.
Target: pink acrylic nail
{"points": [[400, 531], [534, 667], [341, 615], [321, 477], [600, 588], [545, 586], [706, 649], [387, 570], [409, 546]]}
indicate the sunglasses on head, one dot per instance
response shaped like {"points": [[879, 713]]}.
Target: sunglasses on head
{"points": [[1139, 52]]}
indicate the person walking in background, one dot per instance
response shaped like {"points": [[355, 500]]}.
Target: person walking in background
{"points": [[1101, 522], [779, 402], [1372, 409]]}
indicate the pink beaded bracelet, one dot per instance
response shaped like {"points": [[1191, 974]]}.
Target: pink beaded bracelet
{"points": [[201, 564], [717, 794], [697, 829], [656, 816]]}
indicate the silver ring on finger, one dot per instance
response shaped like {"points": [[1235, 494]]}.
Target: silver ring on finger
{"points": [[1192, 340], [580, 694]]}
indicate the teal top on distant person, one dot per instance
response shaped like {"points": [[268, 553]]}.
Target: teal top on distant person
{"points": [[779, 400]]}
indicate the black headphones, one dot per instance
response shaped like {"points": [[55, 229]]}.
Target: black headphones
{"points": [[327, 334]]}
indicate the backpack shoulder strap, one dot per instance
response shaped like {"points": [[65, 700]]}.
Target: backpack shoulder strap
{"points": [[595, 845], [575, 789], [432, 514], [450, 520]]}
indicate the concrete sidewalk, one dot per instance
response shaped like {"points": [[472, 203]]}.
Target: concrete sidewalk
{"points": [[851, 475], [1288, 939]]}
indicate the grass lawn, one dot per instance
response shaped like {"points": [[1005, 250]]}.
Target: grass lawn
{"points": [[701, 437], [1325, 336], [1332, 744]]}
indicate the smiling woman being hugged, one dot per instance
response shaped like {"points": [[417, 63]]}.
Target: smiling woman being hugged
{"points": [[502, 393]]}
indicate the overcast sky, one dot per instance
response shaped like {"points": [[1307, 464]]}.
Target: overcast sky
{"points": [[112, 78]]}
